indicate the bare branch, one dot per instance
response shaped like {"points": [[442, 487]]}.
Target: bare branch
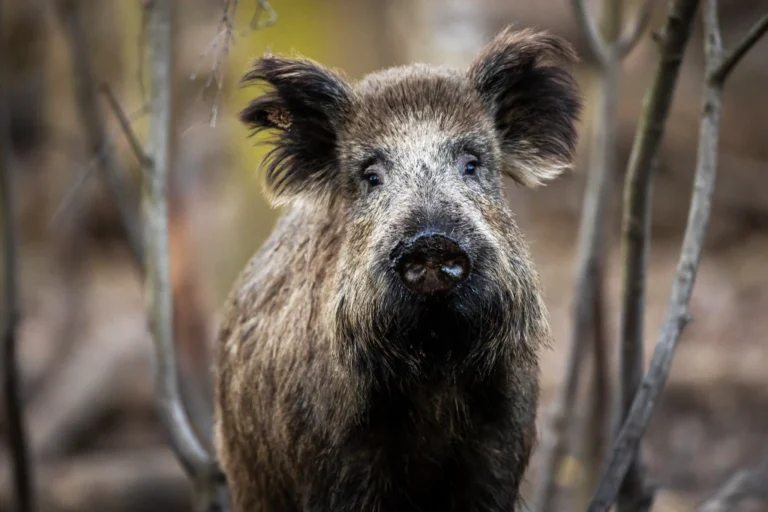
{"points": [[721, 73], [17, 438], [676, 315], [629, 40], [636, 229], [747, 483], [125, 125], [192, 455], [157, 264], [87, 99], [633, 496]]}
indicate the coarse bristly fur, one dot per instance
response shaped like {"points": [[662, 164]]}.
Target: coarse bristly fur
{"points": [[338, 388]]}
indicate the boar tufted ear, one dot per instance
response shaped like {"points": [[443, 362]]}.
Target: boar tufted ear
{"points": [[305, 104], [534, 102]]}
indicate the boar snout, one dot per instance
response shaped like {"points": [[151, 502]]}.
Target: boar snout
{"points": [[430, 263]]}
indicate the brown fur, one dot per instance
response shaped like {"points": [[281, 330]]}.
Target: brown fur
{"points": [[337, 388]]}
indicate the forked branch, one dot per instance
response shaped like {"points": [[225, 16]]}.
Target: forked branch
{"points": [[721, 72], [609, 49], [630, 39], [597, 45]]}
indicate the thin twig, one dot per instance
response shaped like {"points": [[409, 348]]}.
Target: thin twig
{"points": [[74, 190], [720, 74], [16, 431], [211, 46], [90, 110], [199, 465], [221, 44], [125, 125], [256, 22], [225, 38], [676, 316], [747, 483]]}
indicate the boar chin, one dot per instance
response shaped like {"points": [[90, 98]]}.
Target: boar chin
{"points": [[416, 337]]}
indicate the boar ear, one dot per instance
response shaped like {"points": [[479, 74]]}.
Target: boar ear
{"points": [[534, 102], [305, 104]]}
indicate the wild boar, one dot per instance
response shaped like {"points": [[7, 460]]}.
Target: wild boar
{"points": [[380, 351]]}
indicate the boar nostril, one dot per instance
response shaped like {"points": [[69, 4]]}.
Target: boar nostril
{"points": [[431, 263], [413, 272], [454, 268]]}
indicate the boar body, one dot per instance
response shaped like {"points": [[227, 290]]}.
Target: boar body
{"points": [[380, 352]]}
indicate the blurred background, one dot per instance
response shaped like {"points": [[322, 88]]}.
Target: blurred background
{"points": [[85, 354]]}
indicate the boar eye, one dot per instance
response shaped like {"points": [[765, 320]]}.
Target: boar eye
{"points": [[371, 171], [468, 165], [373, 179]]}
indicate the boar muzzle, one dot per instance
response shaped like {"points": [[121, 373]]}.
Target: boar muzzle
{"points": [[430, 263]]}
